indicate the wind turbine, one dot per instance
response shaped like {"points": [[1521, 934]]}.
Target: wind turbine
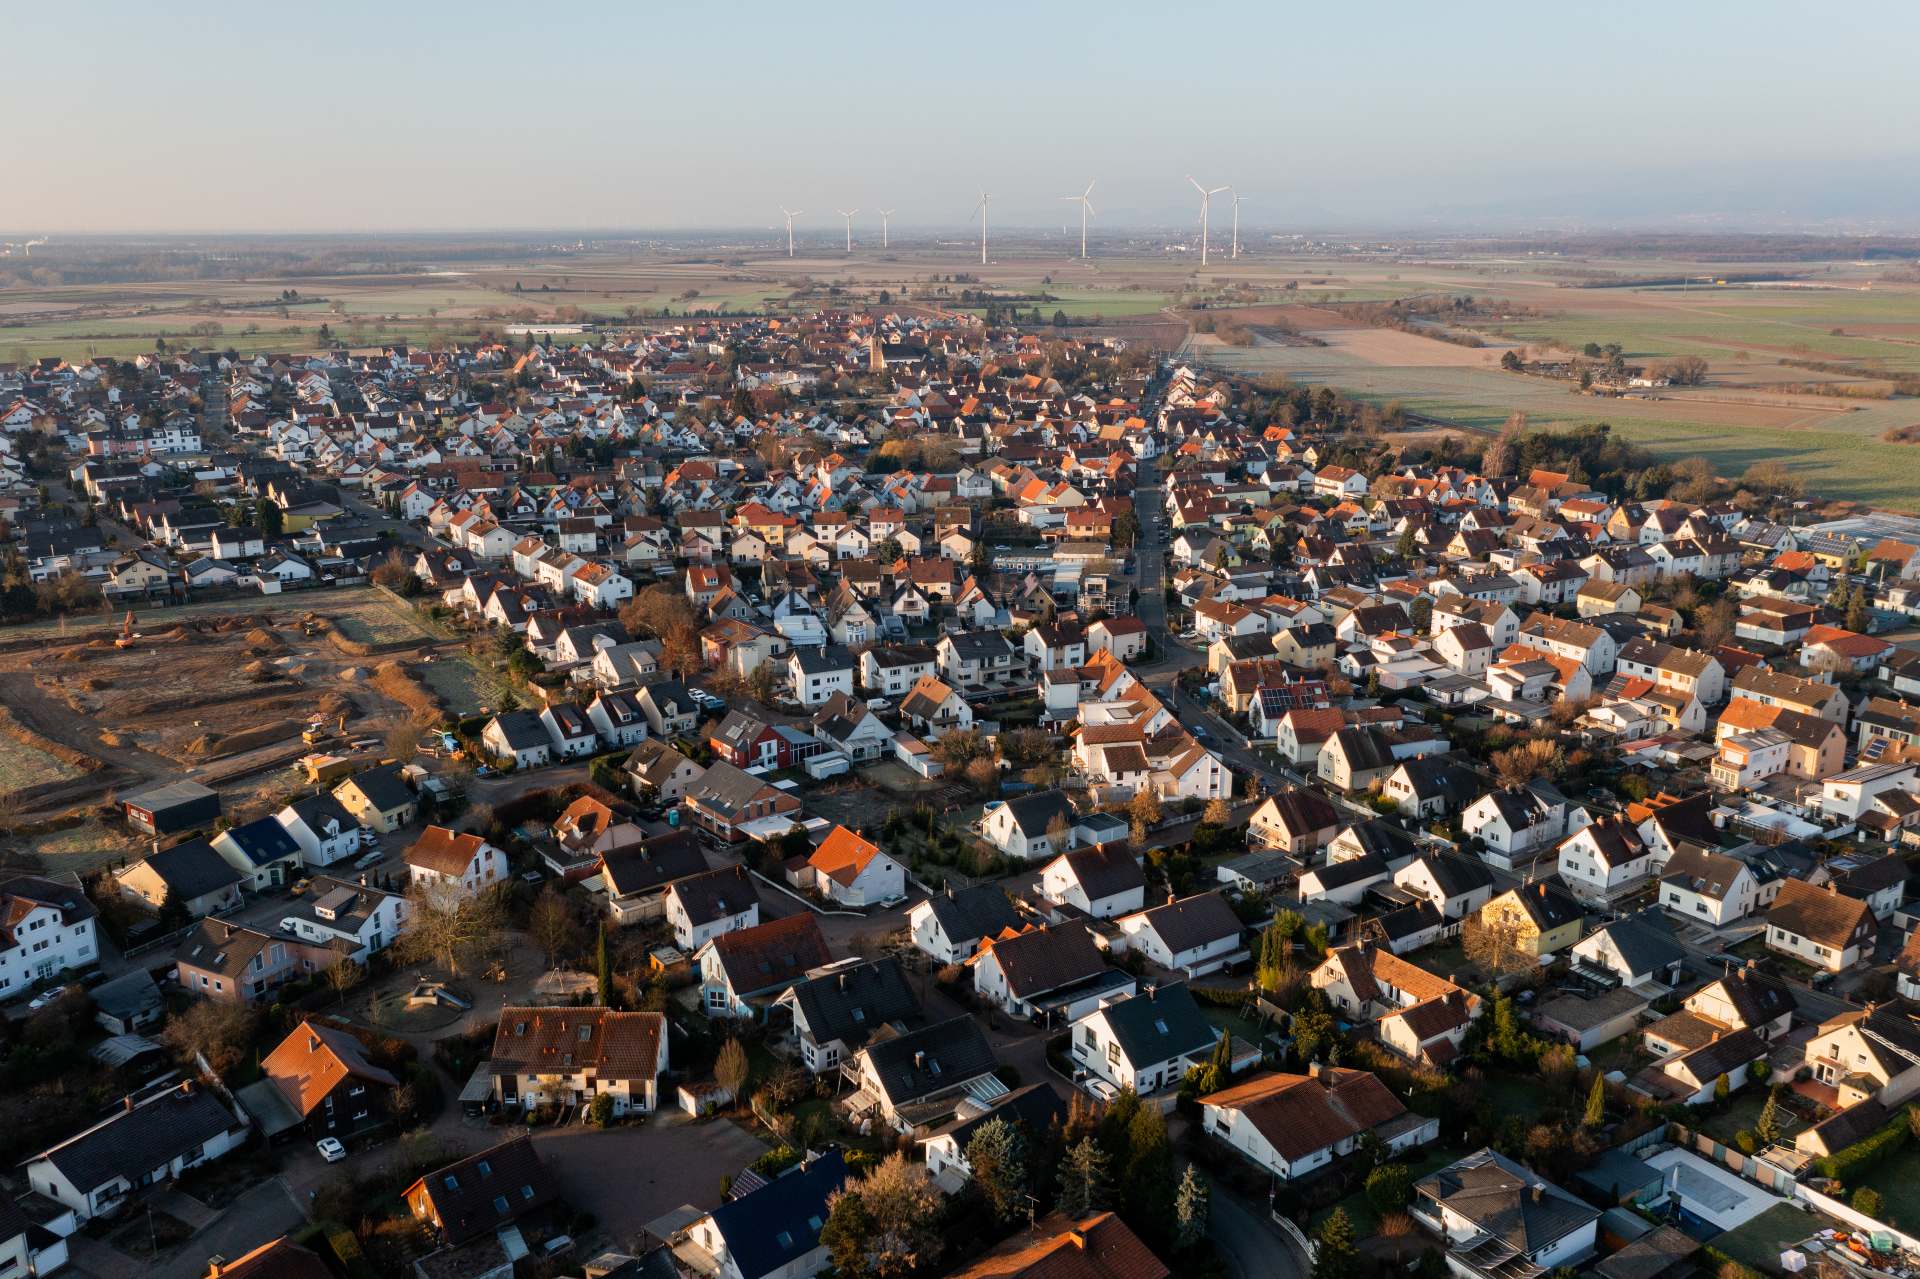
{"points": [[791, 215], [1206, 203], [884, 215], [848, 215], [1086, 207], [981, 209], [1237, 197]]}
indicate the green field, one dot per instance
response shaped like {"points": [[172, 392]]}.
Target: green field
{"points": [[1838, 450]]}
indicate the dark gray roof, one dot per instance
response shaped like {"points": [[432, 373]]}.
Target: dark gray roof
{"points": [[1160, 1025], [317, 810], [972, 646], [127, 995], [1036, 1106], [135, 1141], [780, 1222], [72, 904], [1193, 921], [1645, 941], [1105, 870], [1457, 875], [193, 870], [386, 790], [852, 1001], [933, 1059], [1035, 811], [1507, 1200], [521, 730], [972, 913], [716, 894], [822, 661]]}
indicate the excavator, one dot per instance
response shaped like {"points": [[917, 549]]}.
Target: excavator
{"points": [[127, 636]]}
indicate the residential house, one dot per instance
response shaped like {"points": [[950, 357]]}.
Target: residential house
{"points": [[323, 1074], [704, 906], [1290, 1125], [949, 925], [191, 877], [1820, 926], [1194, 936], [454, 864], [1104, 881], [569, 1056], [150, 1140], [1145, 1041], [742, 971]]}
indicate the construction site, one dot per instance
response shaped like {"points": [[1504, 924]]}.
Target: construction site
{"points": [[256, 705]]}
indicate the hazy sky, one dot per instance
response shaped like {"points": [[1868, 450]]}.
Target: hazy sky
{"points": [[415, 115]]}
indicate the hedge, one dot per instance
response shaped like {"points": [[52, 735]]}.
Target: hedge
{"points": [[346, 1248], [1866, 1152]]}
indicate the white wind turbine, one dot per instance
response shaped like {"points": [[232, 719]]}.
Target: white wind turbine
{"points": [[848, 215], [1206, 204], [981, 209], [884, 215], [1086, 207], [1237, 197], [791, 215]]}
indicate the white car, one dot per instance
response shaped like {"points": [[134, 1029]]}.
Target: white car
{"points": [[330, 1149], [44, 998], [370, 860], [1102, 1090]]}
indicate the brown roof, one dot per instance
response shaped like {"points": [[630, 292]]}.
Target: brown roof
{"points": [[1301, 1114], [311, 1061], [1044, 959], [277, 1259], [483, 1192], [1059, 1247], [771, 954], [612, 1045], [445, 851], [1821, 915]]}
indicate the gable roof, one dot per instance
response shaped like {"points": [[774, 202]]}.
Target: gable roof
{"points": [[1061, 1247], [772, 955], [313, 1059], [1299, 1115], [1159, 1025], [1824, 916], [776, 1224], [613, 1045], [477, 1195]]}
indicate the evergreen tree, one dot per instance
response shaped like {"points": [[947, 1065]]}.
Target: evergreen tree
{"points": [[997, 1153], [1406, 546], [1116, 1125], [1720, 1088], [1148, 1195], [604, 967], [1191, 1205], [1084, 1185], [1767, 1129], [1596, 1103], [1334, 1256]]}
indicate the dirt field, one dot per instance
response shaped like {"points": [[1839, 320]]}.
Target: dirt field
{"points": [[220, 698]]}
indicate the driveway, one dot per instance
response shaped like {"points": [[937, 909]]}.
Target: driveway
{"points": [[1252, 1245], [628, 1176], [259, 1216]]}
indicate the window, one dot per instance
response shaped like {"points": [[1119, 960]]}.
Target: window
{"points": [[500, 1204]]}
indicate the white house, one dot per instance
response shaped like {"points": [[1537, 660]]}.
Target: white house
{"points": [[1102, 882], [1194, 935], [454, 863], [323, 829], [1290, 1125], [149, 1141], [1145, 1041], [50, 931], [1483, 1194], [1604, 858]]}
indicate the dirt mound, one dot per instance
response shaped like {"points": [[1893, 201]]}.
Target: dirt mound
{"points": [[173, 634], [94, 683], [351, 675], [260, 672], [203, 746], [264, 641]]}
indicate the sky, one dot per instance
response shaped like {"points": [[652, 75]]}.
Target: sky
{"points": [[417, 115]]}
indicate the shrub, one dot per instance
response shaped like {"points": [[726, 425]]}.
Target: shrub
{"points": [[1745, 1140], [1867, 1200]]}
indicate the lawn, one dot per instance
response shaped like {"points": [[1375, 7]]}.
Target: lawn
{"points": [[380, 620], [1360, 1209], [1743, 1112], [1759, 1242], [1897, 1178]]}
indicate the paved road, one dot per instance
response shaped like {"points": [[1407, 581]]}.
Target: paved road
{"points": [[259, 1216], [1251, 1244]]}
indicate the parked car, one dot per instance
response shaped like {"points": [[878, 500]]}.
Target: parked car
{"points": [[287, 925], [369, 860], [369, 837], [44, 998], [330, 1149]]}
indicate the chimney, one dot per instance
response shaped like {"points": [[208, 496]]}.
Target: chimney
{"points": [[1538, 1193], [127, 1101], [920, 1061]]}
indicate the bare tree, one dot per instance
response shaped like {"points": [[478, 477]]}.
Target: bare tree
{"points": [[552, 925], [217, 1032], [447, 928], [1495, 947]]}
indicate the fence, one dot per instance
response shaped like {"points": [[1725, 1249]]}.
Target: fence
{"points": [[1294, 1232], [1858, 1220], [1752, 1167]]}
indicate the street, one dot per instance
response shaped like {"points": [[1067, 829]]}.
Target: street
{"points": [[1250, 1242]]}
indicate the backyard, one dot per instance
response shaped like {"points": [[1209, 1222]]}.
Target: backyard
{"points": [[1758, 1243]]}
